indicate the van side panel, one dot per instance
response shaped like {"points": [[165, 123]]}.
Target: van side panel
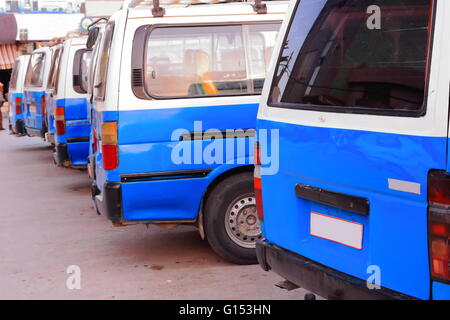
{"points": [[395, 233], [146, 146]]}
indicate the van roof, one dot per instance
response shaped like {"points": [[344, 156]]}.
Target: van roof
{"points": [[209, 9]]}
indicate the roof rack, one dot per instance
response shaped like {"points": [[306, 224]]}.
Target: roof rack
{"points": [[96, 22], [157, 11]]}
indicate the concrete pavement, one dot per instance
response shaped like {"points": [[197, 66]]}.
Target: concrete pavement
{"points": [[49, 224]]}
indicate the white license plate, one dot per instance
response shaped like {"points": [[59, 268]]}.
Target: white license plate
{"points": [[32, 109], [345, 232]]}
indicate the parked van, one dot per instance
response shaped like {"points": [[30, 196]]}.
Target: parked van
{"points": [[34, 97], [69, 107], [359, 206], [16, 90], [168, 84]]}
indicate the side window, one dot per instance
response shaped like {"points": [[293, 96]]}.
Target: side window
{"points": [[101, 71], [35, 71], [14, 76], [338, 57], [261, 42], [202, 61]]}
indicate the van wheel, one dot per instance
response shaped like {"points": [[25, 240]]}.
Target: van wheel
{"points": [[231, 222]]}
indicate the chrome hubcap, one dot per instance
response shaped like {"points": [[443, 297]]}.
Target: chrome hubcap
{"points": [[242, 223]]}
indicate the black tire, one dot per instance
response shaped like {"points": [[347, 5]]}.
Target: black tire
{"points": [[216, 207]]}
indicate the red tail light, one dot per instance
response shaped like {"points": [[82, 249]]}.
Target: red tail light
{"points": [[94, 140], [60, 121], [110, 150], [257, 182], [18, 105], [44, 106], [439, 225]]}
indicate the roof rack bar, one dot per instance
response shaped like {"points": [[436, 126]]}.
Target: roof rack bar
{"points": [[259, 7], [157, 10], [96, 21]]}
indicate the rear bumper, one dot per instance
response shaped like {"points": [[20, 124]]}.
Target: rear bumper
{"points": [[32, 132], [71, 154], [108, 202], [19, 127], [61, 155], [317, 278]]}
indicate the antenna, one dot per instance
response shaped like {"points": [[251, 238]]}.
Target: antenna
{"points": [[157, 10], [259, 7]]}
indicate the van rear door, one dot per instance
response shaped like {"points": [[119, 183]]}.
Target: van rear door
{"points": [[362, 119]]}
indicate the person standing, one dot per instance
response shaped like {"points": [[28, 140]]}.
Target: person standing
{"points": [[2, 101]]}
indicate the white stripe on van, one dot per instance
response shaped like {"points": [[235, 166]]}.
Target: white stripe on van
{"points": [[405, 186]]}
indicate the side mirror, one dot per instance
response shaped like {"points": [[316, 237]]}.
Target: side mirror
{"points": [[81, 64], [92, 37]]}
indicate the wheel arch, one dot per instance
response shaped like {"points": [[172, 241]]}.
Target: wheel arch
{"points": [[221, 177]]}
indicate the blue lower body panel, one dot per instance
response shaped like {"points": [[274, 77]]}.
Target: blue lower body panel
{"points": [[441, 291], [148, 200], [77, 141], [78, 153]]}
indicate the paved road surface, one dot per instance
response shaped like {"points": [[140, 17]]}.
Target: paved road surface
{"points": [[48, 223]]}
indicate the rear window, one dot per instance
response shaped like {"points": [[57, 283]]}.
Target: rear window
{"points": [[367, 56], [101, 71], [35, 71], [208, 60], [54, 69], [15, 75]]}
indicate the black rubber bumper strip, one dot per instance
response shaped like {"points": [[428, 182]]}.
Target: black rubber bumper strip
{"points": [[62, 155], [112, 200], [333, 199], [78, 139], [165, 175], [321, 280]]}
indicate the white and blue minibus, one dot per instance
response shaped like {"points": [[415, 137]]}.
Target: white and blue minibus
{"points": [[176, 92], [353, 185]]}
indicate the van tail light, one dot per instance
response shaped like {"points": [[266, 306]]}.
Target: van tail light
{"points": [[60, 121], [18, 105], [439, 224], [94, 140], [110, 149], [44, 106], [257, 181]]}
